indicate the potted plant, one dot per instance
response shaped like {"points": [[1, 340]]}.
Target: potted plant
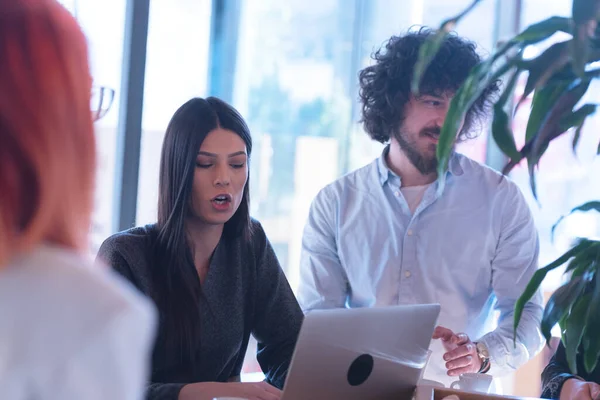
{"points": [[557, 78]]}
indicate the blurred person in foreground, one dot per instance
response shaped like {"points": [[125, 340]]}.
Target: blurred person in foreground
{"points": [[69, 329]]}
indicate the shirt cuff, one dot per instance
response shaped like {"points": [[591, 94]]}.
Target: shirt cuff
{"points": [[502, 361]]}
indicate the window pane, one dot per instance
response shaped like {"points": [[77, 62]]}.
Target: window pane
{"points": [[176, 71], [295, 85], [103, 23], [538, 10], [295, 88]]}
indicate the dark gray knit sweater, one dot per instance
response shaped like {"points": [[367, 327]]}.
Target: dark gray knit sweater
{"points": [[245, 292]]}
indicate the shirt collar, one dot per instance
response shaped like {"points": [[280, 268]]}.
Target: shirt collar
{"points": [[385, 173]]}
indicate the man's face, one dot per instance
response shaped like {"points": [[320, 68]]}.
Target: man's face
{"points": [[419, 133]]}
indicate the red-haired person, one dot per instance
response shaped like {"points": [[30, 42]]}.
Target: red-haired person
{"points": [[68, 329]]}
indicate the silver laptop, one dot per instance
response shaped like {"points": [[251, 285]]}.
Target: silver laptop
{"points": [[363, 353]]}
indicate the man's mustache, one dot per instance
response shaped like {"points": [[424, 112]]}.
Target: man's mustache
{"points": [[434, 131]]}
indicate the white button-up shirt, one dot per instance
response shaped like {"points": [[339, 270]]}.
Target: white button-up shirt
{"points": [[471, 246]]}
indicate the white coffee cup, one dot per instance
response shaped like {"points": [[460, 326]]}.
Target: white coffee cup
{"points": [[473, 382]]}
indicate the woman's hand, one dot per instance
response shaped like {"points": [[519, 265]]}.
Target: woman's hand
{"points": [[244, 390], [576, 389]]}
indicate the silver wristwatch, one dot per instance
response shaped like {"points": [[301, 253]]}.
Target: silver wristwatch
{"points": [[484, 356]]}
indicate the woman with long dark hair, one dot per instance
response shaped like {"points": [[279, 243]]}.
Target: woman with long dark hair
{"points": [[208, 266]]}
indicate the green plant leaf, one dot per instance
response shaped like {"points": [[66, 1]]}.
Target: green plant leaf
{"points": [[503, 134], [580, 49], [573, 332], [585, 15], [576, 137], [550, 128], [544, 29], [592, 73], [544, 66], [541, 105], [514, 162], [576, 119], [560, 303], [501, 124], [591, 344], [530, 290], [427, 53], [581, 262], [538, 277], [589, 206], [593, 56], [562, 323], [477, 81], [430, 48], [531, 165]]}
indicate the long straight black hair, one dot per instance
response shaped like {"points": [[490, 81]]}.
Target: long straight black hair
{"points": [[177, 288]]}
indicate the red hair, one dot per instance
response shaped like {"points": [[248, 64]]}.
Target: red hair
{"points": [[47, 144]]}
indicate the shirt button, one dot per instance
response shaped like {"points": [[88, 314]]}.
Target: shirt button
{"points": [[397, 193], [407, 274], [410, 232]]}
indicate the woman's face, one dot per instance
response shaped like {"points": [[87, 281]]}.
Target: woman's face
{"points": [[220, 176]]}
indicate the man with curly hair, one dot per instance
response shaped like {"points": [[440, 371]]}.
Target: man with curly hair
{"points": [[394, 232]]}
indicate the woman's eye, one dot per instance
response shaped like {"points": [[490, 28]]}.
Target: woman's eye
{"points": [[237, 166], [203, 165]]}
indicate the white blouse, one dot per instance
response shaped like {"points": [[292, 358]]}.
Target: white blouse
{"points": [[70, 329]]}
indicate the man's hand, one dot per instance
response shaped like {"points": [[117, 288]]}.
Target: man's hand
{"points": [[579, 390], [461, 353]]}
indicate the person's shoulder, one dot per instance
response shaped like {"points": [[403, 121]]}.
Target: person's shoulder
{"points": [[258, 241], [258, 237], [356, 181], [134, 237], [58, 300], [77, 275], [485, 176], [133, 243]]}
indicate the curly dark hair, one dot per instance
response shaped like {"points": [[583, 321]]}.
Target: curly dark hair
{"points": [[385, 87]]}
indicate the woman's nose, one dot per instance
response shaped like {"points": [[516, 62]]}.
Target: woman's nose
{"points": [[222, 177]]}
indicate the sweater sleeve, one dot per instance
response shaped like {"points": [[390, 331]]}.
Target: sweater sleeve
{"points": [[278, 316]]}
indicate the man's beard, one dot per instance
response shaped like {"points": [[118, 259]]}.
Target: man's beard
{"points": [[425, 165]]}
